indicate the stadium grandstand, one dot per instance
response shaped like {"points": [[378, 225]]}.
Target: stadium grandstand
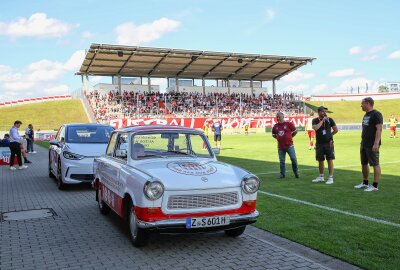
{"points": [[235, 83]]}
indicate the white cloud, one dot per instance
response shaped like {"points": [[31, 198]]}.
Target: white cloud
{"points": [[369, 57], [270, 14], [355, 50], [297, 76], [75, 61], [394, 55], [359, 82], [87, 34], [319, 88], [342, 73], [37, 79], [37, 25], [4, 69], [377, 48], [132, 34]]}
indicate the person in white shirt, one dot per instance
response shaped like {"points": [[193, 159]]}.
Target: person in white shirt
{"points": [[15, 149]]}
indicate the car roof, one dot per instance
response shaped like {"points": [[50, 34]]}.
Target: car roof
{"points": [[86, 124], [157, 127]]}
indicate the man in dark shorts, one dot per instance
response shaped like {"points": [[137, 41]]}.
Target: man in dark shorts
{"points": [[370, 143], [217, 129], [284, 132], [325, 128]]}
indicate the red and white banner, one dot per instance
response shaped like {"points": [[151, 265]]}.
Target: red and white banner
{"points": [[227, 122]]}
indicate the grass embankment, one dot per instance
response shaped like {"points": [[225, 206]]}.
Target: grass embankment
{"points": [[350, 111], [369, 244], [44, 115]]}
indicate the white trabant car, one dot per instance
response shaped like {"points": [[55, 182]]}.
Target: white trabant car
{"points": [[167, 179]]}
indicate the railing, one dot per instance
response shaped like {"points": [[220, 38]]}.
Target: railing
{"points": [[32, 100]]}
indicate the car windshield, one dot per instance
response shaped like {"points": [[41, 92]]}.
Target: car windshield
{"points": [[88, 134], [169, 144]]}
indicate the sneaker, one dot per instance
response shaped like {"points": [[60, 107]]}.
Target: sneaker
{"points": [[318, 179], [34, 152], [27, 161], [22, 167], [361, 186], [296, 175], [12, 168], [281, 176], [371, 188], [329, 181]]}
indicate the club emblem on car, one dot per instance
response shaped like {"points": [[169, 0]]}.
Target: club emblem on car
{"points": [[191, 168]]}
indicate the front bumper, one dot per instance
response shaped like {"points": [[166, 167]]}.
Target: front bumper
{"points": [[179, 225], [78, 171]]}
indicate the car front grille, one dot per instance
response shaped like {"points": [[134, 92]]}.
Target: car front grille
{"points": [[202, 200], [82, 177]]}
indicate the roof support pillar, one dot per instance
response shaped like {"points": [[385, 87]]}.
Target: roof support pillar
{"points": [[177, 84], [119, 84], [251, 86], [228, 83], [273, 87], [148, 84], [203, 83], [85, 84]]}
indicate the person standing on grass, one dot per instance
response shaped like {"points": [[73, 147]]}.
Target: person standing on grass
{"points": [[284, 132], [325, 128], [370, 143], [393, 126], [15, 149], [310, 131], [30, 138], [217, 129]]}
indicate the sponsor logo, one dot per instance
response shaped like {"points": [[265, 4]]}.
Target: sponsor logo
{"points": [[191, 168]]}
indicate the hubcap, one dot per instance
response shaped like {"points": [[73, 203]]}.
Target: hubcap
{"points": [[132, 224]]}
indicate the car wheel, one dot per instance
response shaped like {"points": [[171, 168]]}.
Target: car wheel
{"points": [[139, 236], [60, 182], [103, 207], [51, 175], [235, 232]]}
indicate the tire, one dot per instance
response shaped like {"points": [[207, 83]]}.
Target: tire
{"points": [[103, 207], [235, 232], [139, 236], [60, 183], [51, 175]]}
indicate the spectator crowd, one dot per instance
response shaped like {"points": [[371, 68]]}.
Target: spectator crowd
{"points": [[113, 105]]}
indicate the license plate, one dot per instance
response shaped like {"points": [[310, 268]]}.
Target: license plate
{"points": [[203, 222]]}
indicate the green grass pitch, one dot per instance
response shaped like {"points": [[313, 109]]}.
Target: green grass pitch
{"points": [[368, 244]]}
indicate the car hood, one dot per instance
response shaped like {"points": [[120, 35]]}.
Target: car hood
{"points": [[87, 149], [184, 174]]}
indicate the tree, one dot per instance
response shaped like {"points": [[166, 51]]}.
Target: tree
{"points": [[383, 89]]}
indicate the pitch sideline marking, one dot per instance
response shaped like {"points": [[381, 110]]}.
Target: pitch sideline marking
{"points": [[332, 209], [338, 167]]}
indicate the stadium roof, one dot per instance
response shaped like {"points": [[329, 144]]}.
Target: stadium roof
{"points": [[128, 61]]}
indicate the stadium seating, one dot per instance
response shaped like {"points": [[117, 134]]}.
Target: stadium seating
{"points": [[111, 105]]}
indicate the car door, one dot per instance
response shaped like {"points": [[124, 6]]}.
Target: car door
{"points": [[112, 191], [55, 150]]}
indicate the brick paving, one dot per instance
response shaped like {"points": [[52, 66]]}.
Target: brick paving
{"points": [[79, 237]]}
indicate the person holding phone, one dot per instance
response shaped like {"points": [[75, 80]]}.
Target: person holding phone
{"points": [[325, 128]]}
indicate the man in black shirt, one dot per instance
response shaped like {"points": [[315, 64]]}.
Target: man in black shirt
{"points": [[370, 143], [325, 128]]}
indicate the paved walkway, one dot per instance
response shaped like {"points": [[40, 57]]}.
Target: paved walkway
{"points": [[79, 237]]}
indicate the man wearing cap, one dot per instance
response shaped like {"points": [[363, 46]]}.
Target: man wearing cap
{"points": [[370, 144], [325, 128]]}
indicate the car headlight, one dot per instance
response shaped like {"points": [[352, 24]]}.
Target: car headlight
{"points": [[153, 190], [250, 184], [69, 155]]}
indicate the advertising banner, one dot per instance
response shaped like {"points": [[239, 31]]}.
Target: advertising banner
{"points": [[227, 122]]}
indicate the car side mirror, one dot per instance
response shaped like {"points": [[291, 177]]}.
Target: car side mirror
{"points": [[121, 153], [55, 142], [216, 150]]}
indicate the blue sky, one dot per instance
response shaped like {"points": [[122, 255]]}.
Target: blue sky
{"points": [[356, 43]]}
